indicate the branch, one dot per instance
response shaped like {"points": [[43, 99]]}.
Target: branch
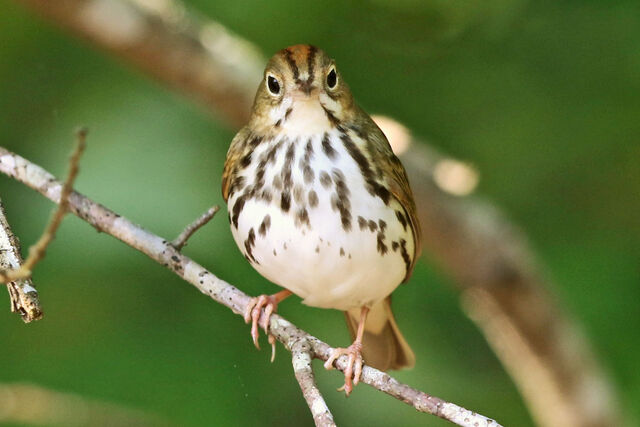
{"points": [[542, 347], [302, 355], [505, 293], [38, 250], [202, 59], [181, 240], [163, 252], [17, 274]]}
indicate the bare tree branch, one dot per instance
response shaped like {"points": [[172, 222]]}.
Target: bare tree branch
{"points": [[38, 406], [16, 273], [164, 253], [37, 251], [553, 366], [181, 240], [301, 357]]}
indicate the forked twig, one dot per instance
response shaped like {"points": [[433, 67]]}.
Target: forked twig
{"points": [[202, 220], [38, 250], [15, 272]]}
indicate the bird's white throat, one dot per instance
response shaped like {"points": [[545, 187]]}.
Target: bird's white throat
{"points": [[307, 118]]}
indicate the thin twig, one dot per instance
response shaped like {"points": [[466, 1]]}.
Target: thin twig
{"points": [[181, 240], [165, 254], [38, 250], [301, 357]]}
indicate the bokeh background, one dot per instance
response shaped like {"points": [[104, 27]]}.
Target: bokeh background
{"points": [[543, 98]]}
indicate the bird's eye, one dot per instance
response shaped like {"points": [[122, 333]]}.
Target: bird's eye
{"points": [[332, 78], [273, 85]]}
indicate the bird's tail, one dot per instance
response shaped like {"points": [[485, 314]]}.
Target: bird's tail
{"points": [[383, 345]]}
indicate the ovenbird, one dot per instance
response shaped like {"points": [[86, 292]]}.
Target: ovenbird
{"points": [[319, 204]]}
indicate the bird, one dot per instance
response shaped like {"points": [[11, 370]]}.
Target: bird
{"points": [[319, 205]]}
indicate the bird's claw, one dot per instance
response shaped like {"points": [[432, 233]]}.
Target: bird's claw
{"points": [[253, 313], [353, 371]]}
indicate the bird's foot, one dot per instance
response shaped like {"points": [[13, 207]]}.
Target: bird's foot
{"points": [[353, 371], [253, 314]]}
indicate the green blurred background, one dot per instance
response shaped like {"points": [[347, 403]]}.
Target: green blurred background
{"points": [[542, 97]]}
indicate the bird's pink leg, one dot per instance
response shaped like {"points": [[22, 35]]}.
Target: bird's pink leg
{"points": [[253, 311], [353, 370]]}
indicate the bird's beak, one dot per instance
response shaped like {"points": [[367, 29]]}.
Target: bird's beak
{"points": [[305, 91], [306, 86]]}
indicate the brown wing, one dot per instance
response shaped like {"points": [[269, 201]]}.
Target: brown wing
{"points": [[236, 151], [398, 184]]}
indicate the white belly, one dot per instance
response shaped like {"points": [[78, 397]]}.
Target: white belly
{"points": [[332, 256]]}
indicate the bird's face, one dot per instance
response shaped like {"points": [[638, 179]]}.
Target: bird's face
{"points": [[302, 92]]}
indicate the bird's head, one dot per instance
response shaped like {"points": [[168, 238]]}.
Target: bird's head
{"points": [[301, 92]]}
